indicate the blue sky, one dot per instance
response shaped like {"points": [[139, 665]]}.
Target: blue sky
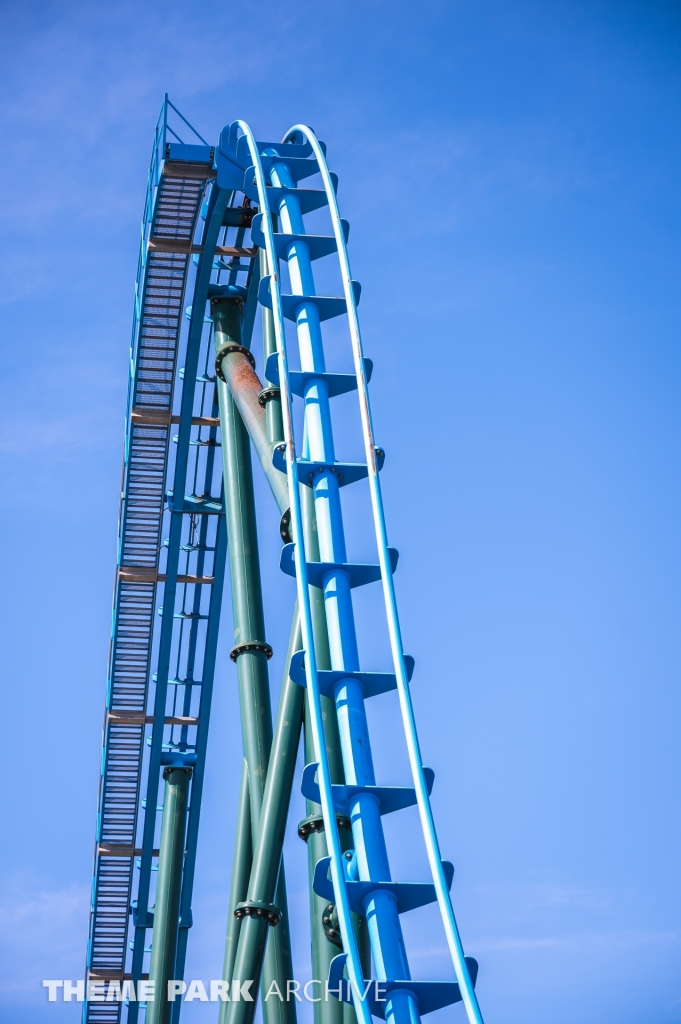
{"points": [[510, 171]]}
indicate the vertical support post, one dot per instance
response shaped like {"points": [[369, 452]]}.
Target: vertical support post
{"points": [[251, 651], [241, 871], [165, 127], [168, 889], [260, 911]]}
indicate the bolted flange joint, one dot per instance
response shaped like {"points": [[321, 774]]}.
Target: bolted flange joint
{"points": [[258, 909], [331, 926], [175, 768], [225, 350], [267, 394], [251, 645], [315, 823]]}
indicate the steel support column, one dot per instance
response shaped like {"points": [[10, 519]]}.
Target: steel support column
{"points": [[261, 919], [168, 890], [251, 650], [241, 872]]}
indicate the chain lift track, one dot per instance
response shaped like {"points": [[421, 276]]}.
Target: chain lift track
{"points": [[184, 496]]}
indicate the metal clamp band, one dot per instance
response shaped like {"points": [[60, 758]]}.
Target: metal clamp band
{"points": [[315, 823], [267, 394], [225, 350], [251, 645], [254, 908]]}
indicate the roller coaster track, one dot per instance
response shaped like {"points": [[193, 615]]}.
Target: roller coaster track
{"points": [[202, 203]]}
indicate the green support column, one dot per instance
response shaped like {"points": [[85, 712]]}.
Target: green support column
{"points": [[168, 890], [261, 917], [241, 872], [251, 650]]}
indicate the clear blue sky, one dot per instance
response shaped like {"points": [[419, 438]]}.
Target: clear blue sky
{"points": [[510, 170]]}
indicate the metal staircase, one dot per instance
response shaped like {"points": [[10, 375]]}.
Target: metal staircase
{"points": [[174, 196]]}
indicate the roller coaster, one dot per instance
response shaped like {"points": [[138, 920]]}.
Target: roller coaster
{"points": [[221, 225]]}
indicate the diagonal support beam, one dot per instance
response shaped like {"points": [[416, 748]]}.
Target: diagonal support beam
{"points": [[251, 650], [241, 871], [244, 384], [168, 890]]}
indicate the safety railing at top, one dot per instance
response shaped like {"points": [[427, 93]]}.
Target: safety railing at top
{"points": [[162, 130]]}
